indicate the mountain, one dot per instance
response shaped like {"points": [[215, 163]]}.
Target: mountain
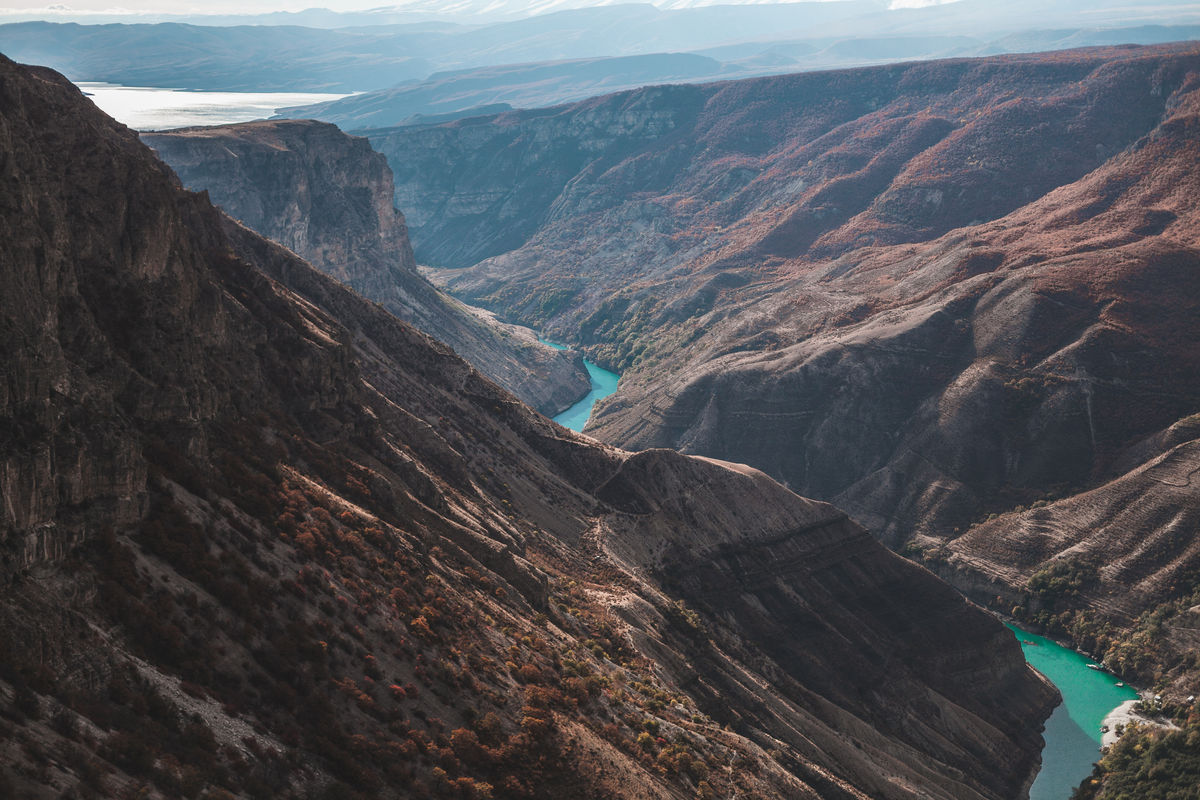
{"points": [[743, 248], [293, 58], [381, 49], [328, 197], [237, 58], [261, 538], [489, 90], [930, 293]]}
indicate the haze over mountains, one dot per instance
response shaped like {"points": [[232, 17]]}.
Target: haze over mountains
{"points": [[902, 12], [451, 66]]}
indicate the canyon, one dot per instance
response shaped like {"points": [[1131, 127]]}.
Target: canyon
{"points": [[260, 537], [950, 297]]}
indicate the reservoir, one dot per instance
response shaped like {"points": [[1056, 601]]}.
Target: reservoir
{"points": [[604, 383], [149, 109], [1073, 731]]}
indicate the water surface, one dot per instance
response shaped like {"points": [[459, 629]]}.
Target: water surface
{"points": [[150, 109], [604, 383], [1073, 731]]}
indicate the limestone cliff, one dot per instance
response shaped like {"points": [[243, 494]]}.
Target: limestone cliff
{"points": [[263, 539], [328, 197]]}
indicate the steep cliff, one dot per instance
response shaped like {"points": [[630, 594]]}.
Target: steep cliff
{"points": [[262, 538], [1114, 568], [328, 197]]}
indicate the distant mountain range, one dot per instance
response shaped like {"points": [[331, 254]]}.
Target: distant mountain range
{"points": [[474, 12], [489, 90], [372, 52]]}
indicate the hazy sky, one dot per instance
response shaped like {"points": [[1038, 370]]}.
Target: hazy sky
{"points": [[135, 7], [172, 6]]}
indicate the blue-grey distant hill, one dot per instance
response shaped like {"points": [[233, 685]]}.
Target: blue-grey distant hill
{"points": [[293, 58], [746, 39], [490, 89], [246, 58]]}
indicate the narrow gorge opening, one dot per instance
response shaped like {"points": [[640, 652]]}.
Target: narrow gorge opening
{"points": [[604, 383]]}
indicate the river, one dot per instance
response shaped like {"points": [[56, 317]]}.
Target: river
{"points": [[604, 383], [1073, 730]]}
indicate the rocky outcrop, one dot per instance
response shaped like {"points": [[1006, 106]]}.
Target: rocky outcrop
{"points": [[328, 197], [745, 585], [352, 565]]}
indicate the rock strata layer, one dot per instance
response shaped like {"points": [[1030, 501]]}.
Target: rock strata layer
{"points": [[955, 298]]}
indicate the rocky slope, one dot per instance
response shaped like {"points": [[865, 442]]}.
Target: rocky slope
{"points": [[328, 197], [262, 539]]}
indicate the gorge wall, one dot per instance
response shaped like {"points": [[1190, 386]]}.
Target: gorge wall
{"points": [[261, 538], [328, 197]]}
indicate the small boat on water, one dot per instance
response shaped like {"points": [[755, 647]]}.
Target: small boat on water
{"points": [[1120, 683], [1094, 666], [1027, 641]]}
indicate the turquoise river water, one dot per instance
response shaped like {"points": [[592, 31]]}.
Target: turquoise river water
{"points": [[1073, 730], [604, 383]]}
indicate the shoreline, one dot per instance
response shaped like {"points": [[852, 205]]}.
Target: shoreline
{"points": [[1123, 715]]}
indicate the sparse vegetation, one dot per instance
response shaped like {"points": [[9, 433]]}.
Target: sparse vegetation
{"points": [[1148, 764]]}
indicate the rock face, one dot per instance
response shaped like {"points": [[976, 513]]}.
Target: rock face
{"points": [[328, 197], [261, 537]]}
